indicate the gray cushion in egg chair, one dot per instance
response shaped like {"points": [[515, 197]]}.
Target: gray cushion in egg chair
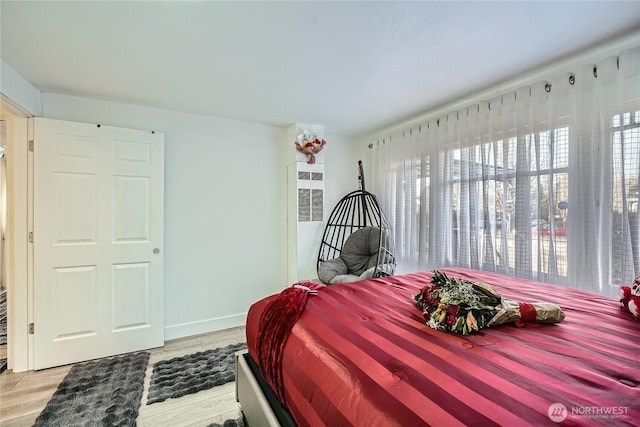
{"points": [[357, 260]]}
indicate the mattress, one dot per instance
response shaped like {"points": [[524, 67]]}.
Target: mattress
{"points": [[360, 354]]}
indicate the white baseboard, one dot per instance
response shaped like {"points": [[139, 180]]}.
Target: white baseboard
{"points": [[182, 330]]}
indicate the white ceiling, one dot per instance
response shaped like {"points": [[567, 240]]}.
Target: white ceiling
{"points": [[351, 66]]}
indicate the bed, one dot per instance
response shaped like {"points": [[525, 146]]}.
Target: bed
{"points": [[360, 354]]}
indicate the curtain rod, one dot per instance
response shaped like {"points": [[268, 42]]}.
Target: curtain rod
{"points": [[591, 54]]}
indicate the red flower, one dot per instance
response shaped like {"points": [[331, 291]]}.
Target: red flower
{"points": [[453, 311]]}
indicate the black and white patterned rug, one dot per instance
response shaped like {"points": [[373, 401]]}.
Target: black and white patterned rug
{"points": [[106, 392], [3, 317], [189, 374], [3, 326]]}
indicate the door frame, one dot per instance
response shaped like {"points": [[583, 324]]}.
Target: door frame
{"points": [[18, 249]]}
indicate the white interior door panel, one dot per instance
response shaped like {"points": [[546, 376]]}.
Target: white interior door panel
{"points": [[98, 241]]}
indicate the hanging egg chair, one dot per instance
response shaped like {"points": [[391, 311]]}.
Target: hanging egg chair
{"points": [[357, 242]]}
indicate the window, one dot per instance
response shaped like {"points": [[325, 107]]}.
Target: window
{"points": [[625, 236], [540, 183], [487, 175]]}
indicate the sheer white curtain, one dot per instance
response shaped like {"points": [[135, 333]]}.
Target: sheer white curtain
{"points": [[540, 183]]}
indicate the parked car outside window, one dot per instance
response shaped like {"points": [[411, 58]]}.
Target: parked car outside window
{"points": [[544, 229]]}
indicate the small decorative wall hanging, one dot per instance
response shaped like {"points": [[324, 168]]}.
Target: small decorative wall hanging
{"points": [[309, 145]]}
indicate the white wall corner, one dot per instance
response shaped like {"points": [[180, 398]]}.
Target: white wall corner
{"points": [[204, 326], [19, 91]]}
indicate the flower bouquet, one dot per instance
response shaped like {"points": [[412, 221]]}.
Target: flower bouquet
{"points": [[309, 145], [462, 307]]}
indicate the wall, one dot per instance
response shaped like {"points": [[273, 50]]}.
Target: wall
{"points": [[225, 214], [17, 89], [225, 206], [590, 55], [341, 168]]}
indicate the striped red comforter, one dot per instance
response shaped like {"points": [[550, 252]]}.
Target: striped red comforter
{"points": [[360, 354]]}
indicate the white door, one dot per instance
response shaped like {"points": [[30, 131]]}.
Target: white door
{"points": [[98, 241]]}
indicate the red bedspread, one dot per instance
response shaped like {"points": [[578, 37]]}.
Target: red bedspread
{"points": [[360, 354]]}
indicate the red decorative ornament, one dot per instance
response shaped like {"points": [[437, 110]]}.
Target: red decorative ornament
{"points": [[630, 298]]}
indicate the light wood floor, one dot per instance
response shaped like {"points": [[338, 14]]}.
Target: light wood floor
{"points": [[24, 395]]}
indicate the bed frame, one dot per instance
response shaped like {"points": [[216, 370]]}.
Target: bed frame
{"points": [[259, 404]]}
